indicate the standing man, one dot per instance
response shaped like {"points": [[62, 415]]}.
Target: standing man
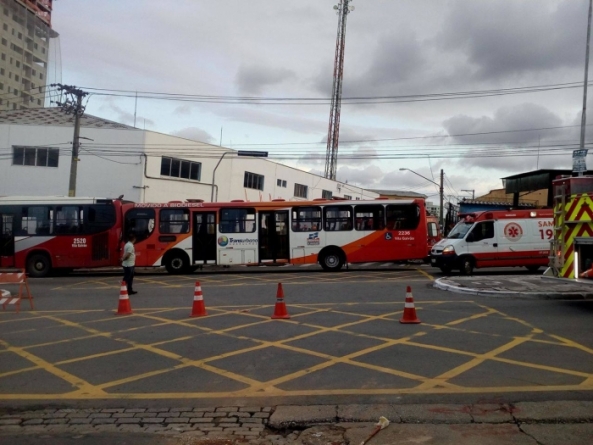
{"points": [[128, 262]]}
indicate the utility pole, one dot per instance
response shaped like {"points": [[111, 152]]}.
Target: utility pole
{"points": [[333, 133], [441, 193], [73, 105], [584, 115]]}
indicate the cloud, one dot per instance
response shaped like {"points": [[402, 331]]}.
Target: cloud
{"points": [[255, 79], [362, 177], [194, 134], [183, 110], [123, 116], [514, 38]]}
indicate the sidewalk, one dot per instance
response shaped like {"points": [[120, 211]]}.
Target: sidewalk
{"points": [[525, 286], [525, 423]]}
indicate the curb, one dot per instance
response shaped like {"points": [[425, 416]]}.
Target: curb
{"points": [[292, 417], [441, 283]]}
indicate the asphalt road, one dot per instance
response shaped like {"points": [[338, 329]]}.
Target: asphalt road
{"points": [[342, 344]]}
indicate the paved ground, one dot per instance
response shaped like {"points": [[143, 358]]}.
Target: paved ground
{"points": [[233, 372], [548, 423]]}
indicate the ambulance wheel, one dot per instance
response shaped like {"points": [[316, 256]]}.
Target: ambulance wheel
{"points": [[331, 260], [38, 265], [177, 262], [533, 269], [467, 266]]}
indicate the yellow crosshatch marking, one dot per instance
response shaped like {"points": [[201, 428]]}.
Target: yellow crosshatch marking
{"points": [[352, 320], [234, 280]]}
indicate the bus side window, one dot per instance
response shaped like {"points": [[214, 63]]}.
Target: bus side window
{"points": [[140, 222], [37, 220], [174, 221], [369, 217]]}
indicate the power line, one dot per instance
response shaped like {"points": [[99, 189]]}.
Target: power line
{"points": [[356, 100]]}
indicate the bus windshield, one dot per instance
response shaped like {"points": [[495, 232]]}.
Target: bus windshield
{"points": [[460, 230]]}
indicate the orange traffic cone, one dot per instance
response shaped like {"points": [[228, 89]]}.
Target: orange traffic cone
{"points": [[124, 307], [280, 308], [198, 309], [409, 309]]}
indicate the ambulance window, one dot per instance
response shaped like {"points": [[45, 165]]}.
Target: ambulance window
{"points": [[483, 230]]}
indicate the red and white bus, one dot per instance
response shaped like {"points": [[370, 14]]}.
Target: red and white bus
{"points": [[186, 235], [45, 233]]}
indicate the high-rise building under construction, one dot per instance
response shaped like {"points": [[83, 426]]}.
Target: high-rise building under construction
{"points": [[25, 35]]}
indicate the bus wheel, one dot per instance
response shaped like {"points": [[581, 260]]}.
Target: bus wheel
{"points": [[38, 265], [467, 266], [177, 262], [331, 260]]}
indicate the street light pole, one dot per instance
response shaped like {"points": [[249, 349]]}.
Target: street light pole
{"points": [[441, 191], [473, 193]]}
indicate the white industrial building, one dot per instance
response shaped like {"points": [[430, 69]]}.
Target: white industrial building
{"points": [[144, 166]]}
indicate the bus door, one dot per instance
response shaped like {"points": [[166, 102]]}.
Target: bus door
{"points": [[273, 236], [204, 238], [6, 241]]}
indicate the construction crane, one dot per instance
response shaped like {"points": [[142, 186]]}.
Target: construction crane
{"points": [[333, 133]]}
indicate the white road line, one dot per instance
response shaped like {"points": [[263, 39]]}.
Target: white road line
{"points": [[307, 265], [366, 264], [386, 264]]}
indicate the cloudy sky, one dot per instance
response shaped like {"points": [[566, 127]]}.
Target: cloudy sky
{"points": [[427, 83]]}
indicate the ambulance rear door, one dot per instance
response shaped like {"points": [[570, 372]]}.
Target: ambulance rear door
{"points": [[521, 243]]}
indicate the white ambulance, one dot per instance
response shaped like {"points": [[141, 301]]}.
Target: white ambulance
{"points": [[497, 238]]}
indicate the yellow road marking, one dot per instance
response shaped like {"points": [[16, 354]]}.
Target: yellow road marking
{"points": [[429, 385], [439, 380], [84, 387]]}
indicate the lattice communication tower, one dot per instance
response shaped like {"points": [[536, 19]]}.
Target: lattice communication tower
{"points": [[333, 133]]}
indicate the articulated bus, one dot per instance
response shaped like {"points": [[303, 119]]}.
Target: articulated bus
{"points": [[40, 234], [183, 236]]}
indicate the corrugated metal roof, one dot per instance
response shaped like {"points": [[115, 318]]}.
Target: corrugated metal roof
{"points": [[56, 117]]}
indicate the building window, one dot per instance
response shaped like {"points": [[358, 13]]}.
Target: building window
{"points": [[281, 183], [5, 27], [35, 156], [326, 194], [300, 190], [178, 168], [347, 197], [18, 64], [5, 42], [253, 181]]}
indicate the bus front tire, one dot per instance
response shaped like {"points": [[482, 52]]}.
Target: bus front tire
{"points": [[38, 265], [331, 260], [177, 263]]}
